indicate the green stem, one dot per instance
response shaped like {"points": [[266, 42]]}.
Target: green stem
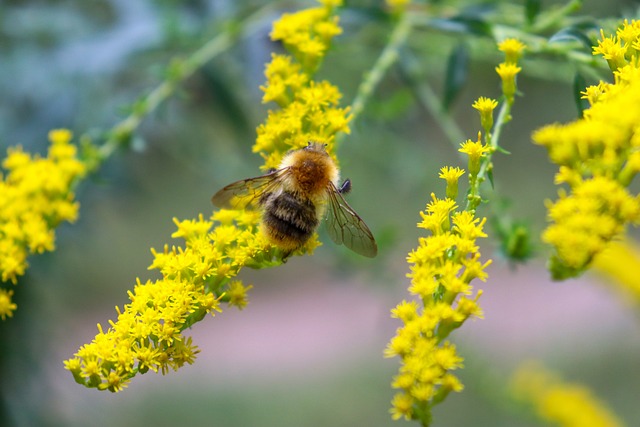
{"points": [[121, 132], [504, 116], [387, 58]]}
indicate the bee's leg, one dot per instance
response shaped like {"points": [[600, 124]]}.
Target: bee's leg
{"points": [[345, 187], [270, 170], [285, 256]]}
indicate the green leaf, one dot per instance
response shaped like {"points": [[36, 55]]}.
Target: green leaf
{"points": [[456, 74], [579, 85], [572, 34], [462, 24], [490, 175], [531, 10]]}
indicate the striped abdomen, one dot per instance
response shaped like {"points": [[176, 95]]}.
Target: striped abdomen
{"points": [[287, 220]]}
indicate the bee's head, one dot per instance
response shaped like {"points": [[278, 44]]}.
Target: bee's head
{"points": [[318, 147]]}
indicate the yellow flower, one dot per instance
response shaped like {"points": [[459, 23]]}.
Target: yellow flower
{"points": [[512, 49], [307, 34], [594, 93], [6, 306], [613, 50], [237, 294], [475, 150], [148, 332], [597, 158], [309, 109], [485, 107], [507, 73], [442, 267], [198, 277], [451, 175], [563, 404], [36, 195]]}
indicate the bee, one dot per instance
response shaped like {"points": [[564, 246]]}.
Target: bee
{"points": [[294, 198]]}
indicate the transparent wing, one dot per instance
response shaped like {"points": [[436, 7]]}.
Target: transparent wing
{"points": [[346, 227], [243, 193]]}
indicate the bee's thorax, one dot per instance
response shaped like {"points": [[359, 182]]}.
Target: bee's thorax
{"points": [[311, 172]]}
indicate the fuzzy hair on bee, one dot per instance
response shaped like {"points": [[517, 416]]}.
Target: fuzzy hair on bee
{"points": [[295, 197]]}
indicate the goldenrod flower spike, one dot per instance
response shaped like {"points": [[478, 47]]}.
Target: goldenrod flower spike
{"points": [[200, 276], [147, 334], [442, 267], [36, 195], [598, 158], [309, 110]]}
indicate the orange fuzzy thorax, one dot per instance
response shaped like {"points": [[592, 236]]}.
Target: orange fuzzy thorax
{"points": [[312, 169]]}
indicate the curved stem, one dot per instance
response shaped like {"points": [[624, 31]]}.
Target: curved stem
{"points": [[387, 58], [121, 132]]}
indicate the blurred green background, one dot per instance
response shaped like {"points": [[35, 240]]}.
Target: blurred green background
{"points": [[307, 351]]}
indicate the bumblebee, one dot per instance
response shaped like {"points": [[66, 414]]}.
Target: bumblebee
{"points": [[303, 190]]}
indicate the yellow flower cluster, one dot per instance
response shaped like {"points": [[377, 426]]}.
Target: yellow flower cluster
{"points": [[36, 195], [598, 156], [561, 403], [442, 268], [621, 49], [308, 109], [307, 34], [195, 280]]}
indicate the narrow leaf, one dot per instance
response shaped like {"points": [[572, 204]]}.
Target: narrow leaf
{"points": [[531, 10], [579, 85], [457, 73], [571, 34]]}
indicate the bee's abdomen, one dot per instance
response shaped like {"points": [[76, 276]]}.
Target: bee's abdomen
{"points": [[288, 221]]}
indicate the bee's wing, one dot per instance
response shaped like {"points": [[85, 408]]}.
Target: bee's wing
{"points": [[346, 227], [245, 192]]}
